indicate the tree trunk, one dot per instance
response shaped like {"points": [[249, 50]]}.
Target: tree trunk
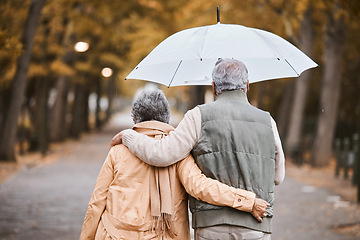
{"points": [[111, 91], [44, 129], [98, 122], [39, 139], [285, 108], [7, 151], [35, 113], [85, 109], [59, 110], [38, 114], [293, 138], [330, 92], [77, 113], [4, 108], [197, 96], [262, 91]]}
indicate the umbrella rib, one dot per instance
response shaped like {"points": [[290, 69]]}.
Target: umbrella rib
{"points": [[266, 42], [203, 44], [175, 73], [292, 67]]}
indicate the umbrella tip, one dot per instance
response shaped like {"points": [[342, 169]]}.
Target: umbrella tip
{"points": [[218, 14]]}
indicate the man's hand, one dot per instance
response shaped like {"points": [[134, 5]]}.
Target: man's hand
{"points": [[117, 140], [259, 209]]}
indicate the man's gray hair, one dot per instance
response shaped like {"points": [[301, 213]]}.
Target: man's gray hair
{"points": [[151, 105], [230, 74]]}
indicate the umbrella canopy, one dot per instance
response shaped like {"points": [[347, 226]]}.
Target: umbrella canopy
{"points": [[189, 56]]}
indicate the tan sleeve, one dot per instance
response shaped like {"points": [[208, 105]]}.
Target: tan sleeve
{"points": [[212, 191], [98, 199], [279, 156], [170, 149]]}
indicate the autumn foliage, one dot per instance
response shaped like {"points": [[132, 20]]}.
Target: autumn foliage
{"points": [[323, 104]]}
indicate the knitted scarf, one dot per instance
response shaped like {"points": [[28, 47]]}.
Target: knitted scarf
{"points": [[162, 182]]}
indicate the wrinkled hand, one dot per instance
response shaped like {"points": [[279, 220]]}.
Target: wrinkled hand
{"points": [[259, 209], [116, 140]]}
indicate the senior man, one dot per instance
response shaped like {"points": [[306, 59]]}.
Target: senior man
{"points": [[231, 141]]}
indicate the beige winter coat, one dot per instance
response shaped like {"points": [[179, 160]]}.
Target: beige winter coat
{"points": [[119, 207]]}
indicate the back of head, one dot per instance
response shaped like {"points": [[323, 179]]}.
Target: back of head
{"points": [[230, 74], [151, 105]]}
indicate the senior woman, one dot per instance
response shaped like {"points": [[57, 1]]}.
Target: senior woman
{"points": [[133, 200]]}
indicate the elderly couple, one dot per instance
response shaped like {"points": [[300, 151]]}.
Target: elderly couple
{"points": [[236, 160]]}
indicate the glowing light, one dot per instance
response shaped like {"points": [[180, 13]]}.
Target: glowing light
{"points": [[107, 72], [81, 46]]}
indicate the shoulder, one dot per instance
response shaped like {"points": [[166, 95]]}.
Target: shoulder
{"points": [[194, 115], [205, 105], [262, 114], [258, 110], [119, 152], [194, 111], [118, 148]]}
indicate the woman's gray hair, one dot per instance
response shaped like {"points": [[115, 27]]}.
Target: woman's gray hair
{"points": [[151, 105], [230, 74]]}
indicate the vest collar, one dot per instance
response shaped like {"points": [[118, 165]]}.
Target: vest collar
{"points": [[234, 95]]}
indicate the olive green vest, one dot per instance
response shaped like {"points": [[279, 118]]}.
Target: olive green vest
{"points": [[236, 147]]}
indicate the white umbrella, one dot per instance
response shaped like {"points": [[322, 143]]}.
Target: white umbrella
{"points": [[188, 57]]}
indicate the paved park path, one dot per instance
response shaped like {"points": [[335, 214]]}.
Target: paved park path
{"points": [[50, 200]]}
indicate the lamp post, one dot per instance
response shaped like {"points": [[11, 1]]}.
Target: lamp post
{"points": [[108, 73], [80, 119]]}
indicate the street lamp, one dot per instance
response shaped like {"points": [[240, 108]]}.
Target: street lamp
{"points": [[81, 46], [107, 72]]}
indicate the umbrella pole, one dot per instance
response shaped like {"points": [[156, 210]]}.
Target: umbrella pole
{"points": [[218, 14]]}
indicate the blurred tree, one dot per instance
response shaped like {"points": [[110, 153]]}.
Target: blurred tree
{"points": [[119, 39], [66, 21], [284, 108], [10, 48], [63, 67], [111, 92], [334, 36], [19, 84], [41, 93], [293, 139], [340, 56], [102, 28], [349, 108]]}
